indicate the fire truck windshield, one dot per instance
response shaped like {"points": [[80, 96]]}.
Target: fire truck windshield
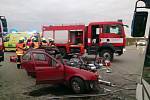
{"points": [[112, 29]]}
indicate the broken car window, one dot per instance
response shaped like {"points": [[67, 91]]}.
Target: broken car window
{"points": [[27, 56], [39, 57]]}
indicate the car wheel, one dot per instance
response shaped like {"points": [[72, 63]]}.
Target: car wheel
{"points": [[107, 54], [77, 85]]}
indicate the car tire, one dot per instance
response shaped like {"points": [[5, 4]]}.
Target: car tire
{"points": [[77, 85], [107, 54]]}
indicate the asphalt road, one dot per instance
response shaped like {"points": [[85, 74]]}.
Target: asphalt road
{"points": [[126, 69]]}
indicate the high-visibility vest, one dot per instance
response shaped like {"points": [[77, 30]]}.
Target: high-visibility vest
{"points": [[20, 48]]}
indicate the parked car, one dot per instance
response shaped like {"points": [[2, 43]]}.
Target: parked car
{"points": [[141, 43], [49, 69]]}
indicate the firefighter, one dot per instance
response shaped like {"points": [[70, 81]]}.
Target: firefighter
{"points": [[35, 43], [51, 42], [20, 47], [29, 43], [52, 48], [44, 42]]}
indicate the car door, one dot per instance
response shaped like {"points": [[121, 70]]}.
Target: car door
{"points": [[27, 62], [50, 73], [40, 59]]}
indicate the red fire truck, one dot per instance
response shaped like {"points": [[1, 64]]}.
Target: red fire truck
{"points": [[103, 38], [3, 29]]}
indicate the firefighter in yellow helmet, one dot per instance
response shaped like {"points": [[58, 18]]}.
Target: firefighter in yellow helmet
{"points": [[35, 43], [20, 47]]}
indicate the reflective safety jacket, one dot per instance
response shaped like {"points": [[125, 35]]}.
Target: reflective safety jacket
{"points": [[35, 45], [20, 48]]}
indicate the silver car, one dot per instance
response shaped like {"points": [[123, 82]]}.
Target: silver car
{"points": [[141, 43]]}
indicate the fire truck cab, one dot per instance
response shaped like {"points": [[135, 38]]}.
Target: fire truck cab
{"points": [[105, 39]]}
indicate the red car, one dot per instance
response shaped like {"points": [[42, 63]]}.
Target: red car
{"points": [[48, 69]]}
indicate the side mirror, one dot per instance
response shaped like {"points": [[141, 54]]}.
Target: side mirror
{"points": [[139, 24], [13, 59]]}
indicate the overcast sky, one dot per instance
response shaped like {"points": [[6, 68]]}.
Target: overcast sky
{"points": [[27, 15]]}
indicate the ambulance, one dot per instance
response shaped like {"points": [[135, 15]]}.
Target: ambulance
{"points": [[11, 39]]}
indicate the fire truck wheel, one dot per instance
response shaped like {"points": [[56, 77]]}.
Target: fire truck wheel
{"points": [[77, 85], [107, 54], [63, 52]]}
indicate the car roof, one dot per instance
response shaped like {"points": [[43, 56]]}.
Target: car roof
{"points": [[36, 50]]}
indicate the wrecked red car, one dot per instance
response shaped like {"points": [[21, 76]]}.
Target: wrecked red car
{"points": [[49, 69]]}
